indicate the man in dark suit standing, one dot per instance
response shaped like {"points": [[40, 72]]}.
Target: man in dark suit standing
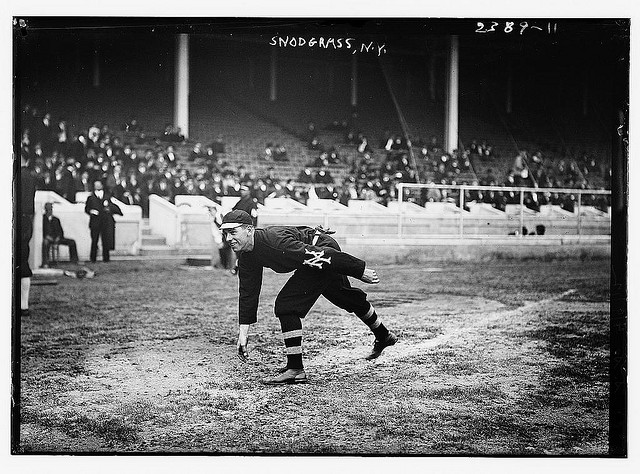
{"points": [[101, 209], [53, 234]]}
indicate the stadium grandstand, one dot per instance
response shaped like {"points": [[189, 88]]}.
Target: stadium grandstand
{"points": [[419, 137]]}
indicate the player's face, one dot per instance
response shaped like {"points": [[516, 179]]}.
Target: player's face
{"points": [[240, 238]]}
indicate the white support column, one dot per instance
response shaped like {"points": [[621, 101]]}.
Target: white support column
{"points": [[354, 80], [451, 119], [273, 96], [181, 85]]}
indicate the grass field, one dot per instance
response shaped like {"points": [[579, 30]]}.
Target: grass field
{"points": [[494, 358]]}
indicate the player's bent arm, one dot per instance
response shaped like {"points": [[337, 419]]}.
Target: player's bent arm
{"points": [[249, 292]]}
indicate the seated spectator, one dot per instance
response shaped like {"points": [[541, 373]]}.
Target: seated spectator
{"points": [[53, 235], [314, 144], [473, 148], [282, 189], [433, 194], [268, 152], [270, 178], [132, 126], [197, 153], [170, 155], [321, 160], [46, 133], [94, 134], [105, 134], [326, 192], [434, 144], [242, 175], [531, 201], [568, 202], [497, 200], [337, 125], [351, 137], [280, 153], [311, 131], [348, 193], [218, 146], [305, 176], [323, 177], [83, 182], [440, 176], [474, 195], [489, 179], [399, 144], [333, 157], [171, 134], [363, 145], [519, 163], [65, 182], [522, 179], [62, 137], [162, 188], [487, 149]]}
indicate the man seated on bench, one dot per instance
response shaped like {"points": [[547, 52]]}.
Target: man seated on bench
{"points": [[53, 235]]}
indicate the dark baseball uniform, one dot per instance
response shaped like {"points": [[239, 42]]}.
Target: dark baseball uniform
{"points": [[320, 269]]}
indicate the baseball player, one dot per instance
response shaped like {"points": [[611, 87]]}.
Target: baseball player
{"points": [[319, 267]]}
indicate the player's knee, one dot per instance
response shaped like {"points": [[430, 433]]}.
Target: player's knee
{"points": [[283, 310], [280, 309]]}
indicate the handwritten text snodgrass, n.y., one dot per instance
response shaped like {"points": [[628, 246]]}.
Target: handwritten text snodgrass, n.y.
{"points": [[337, 43]]}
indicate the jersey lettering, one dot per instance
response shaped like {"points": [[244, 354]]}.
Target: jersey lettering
{"points": [[317, 260]]}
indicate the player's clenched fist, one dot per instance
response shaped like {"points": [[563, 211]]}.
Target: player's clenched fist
{"points": [[370, 276]]}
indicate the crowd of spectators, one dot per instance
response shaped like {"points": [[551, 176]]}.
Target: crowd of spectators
{"points": [[275, 152], [69, 161]]}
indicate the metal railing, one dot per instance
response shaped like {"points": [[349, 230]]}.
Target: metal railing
{"points": [[402, 187]]}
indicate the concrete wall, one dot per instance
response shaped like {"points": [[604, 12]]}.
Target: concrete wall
{"points": [[422, 250], [185, 225], [76, 226], [431, 233]]}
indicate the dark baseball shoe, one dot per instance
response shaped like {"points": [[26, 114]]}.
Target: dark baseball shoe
{"points": [[379, 346], [291, 376]]}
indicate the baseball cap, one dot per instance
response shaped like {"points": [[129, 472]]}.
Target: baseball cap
{"points": [[234, 219]]}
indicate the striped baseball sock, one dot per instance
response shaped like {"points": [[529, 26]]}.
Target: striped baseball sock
{"points": [[292, 335], [371, 319]]}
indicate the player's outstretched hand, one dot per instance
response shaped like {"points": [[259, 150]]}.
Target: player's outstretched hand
{"points": [[370, 276], [243, 353]]}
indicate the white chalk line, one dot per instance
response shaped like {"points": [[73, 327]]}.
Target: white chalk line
{"points": [[402, 350]]}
